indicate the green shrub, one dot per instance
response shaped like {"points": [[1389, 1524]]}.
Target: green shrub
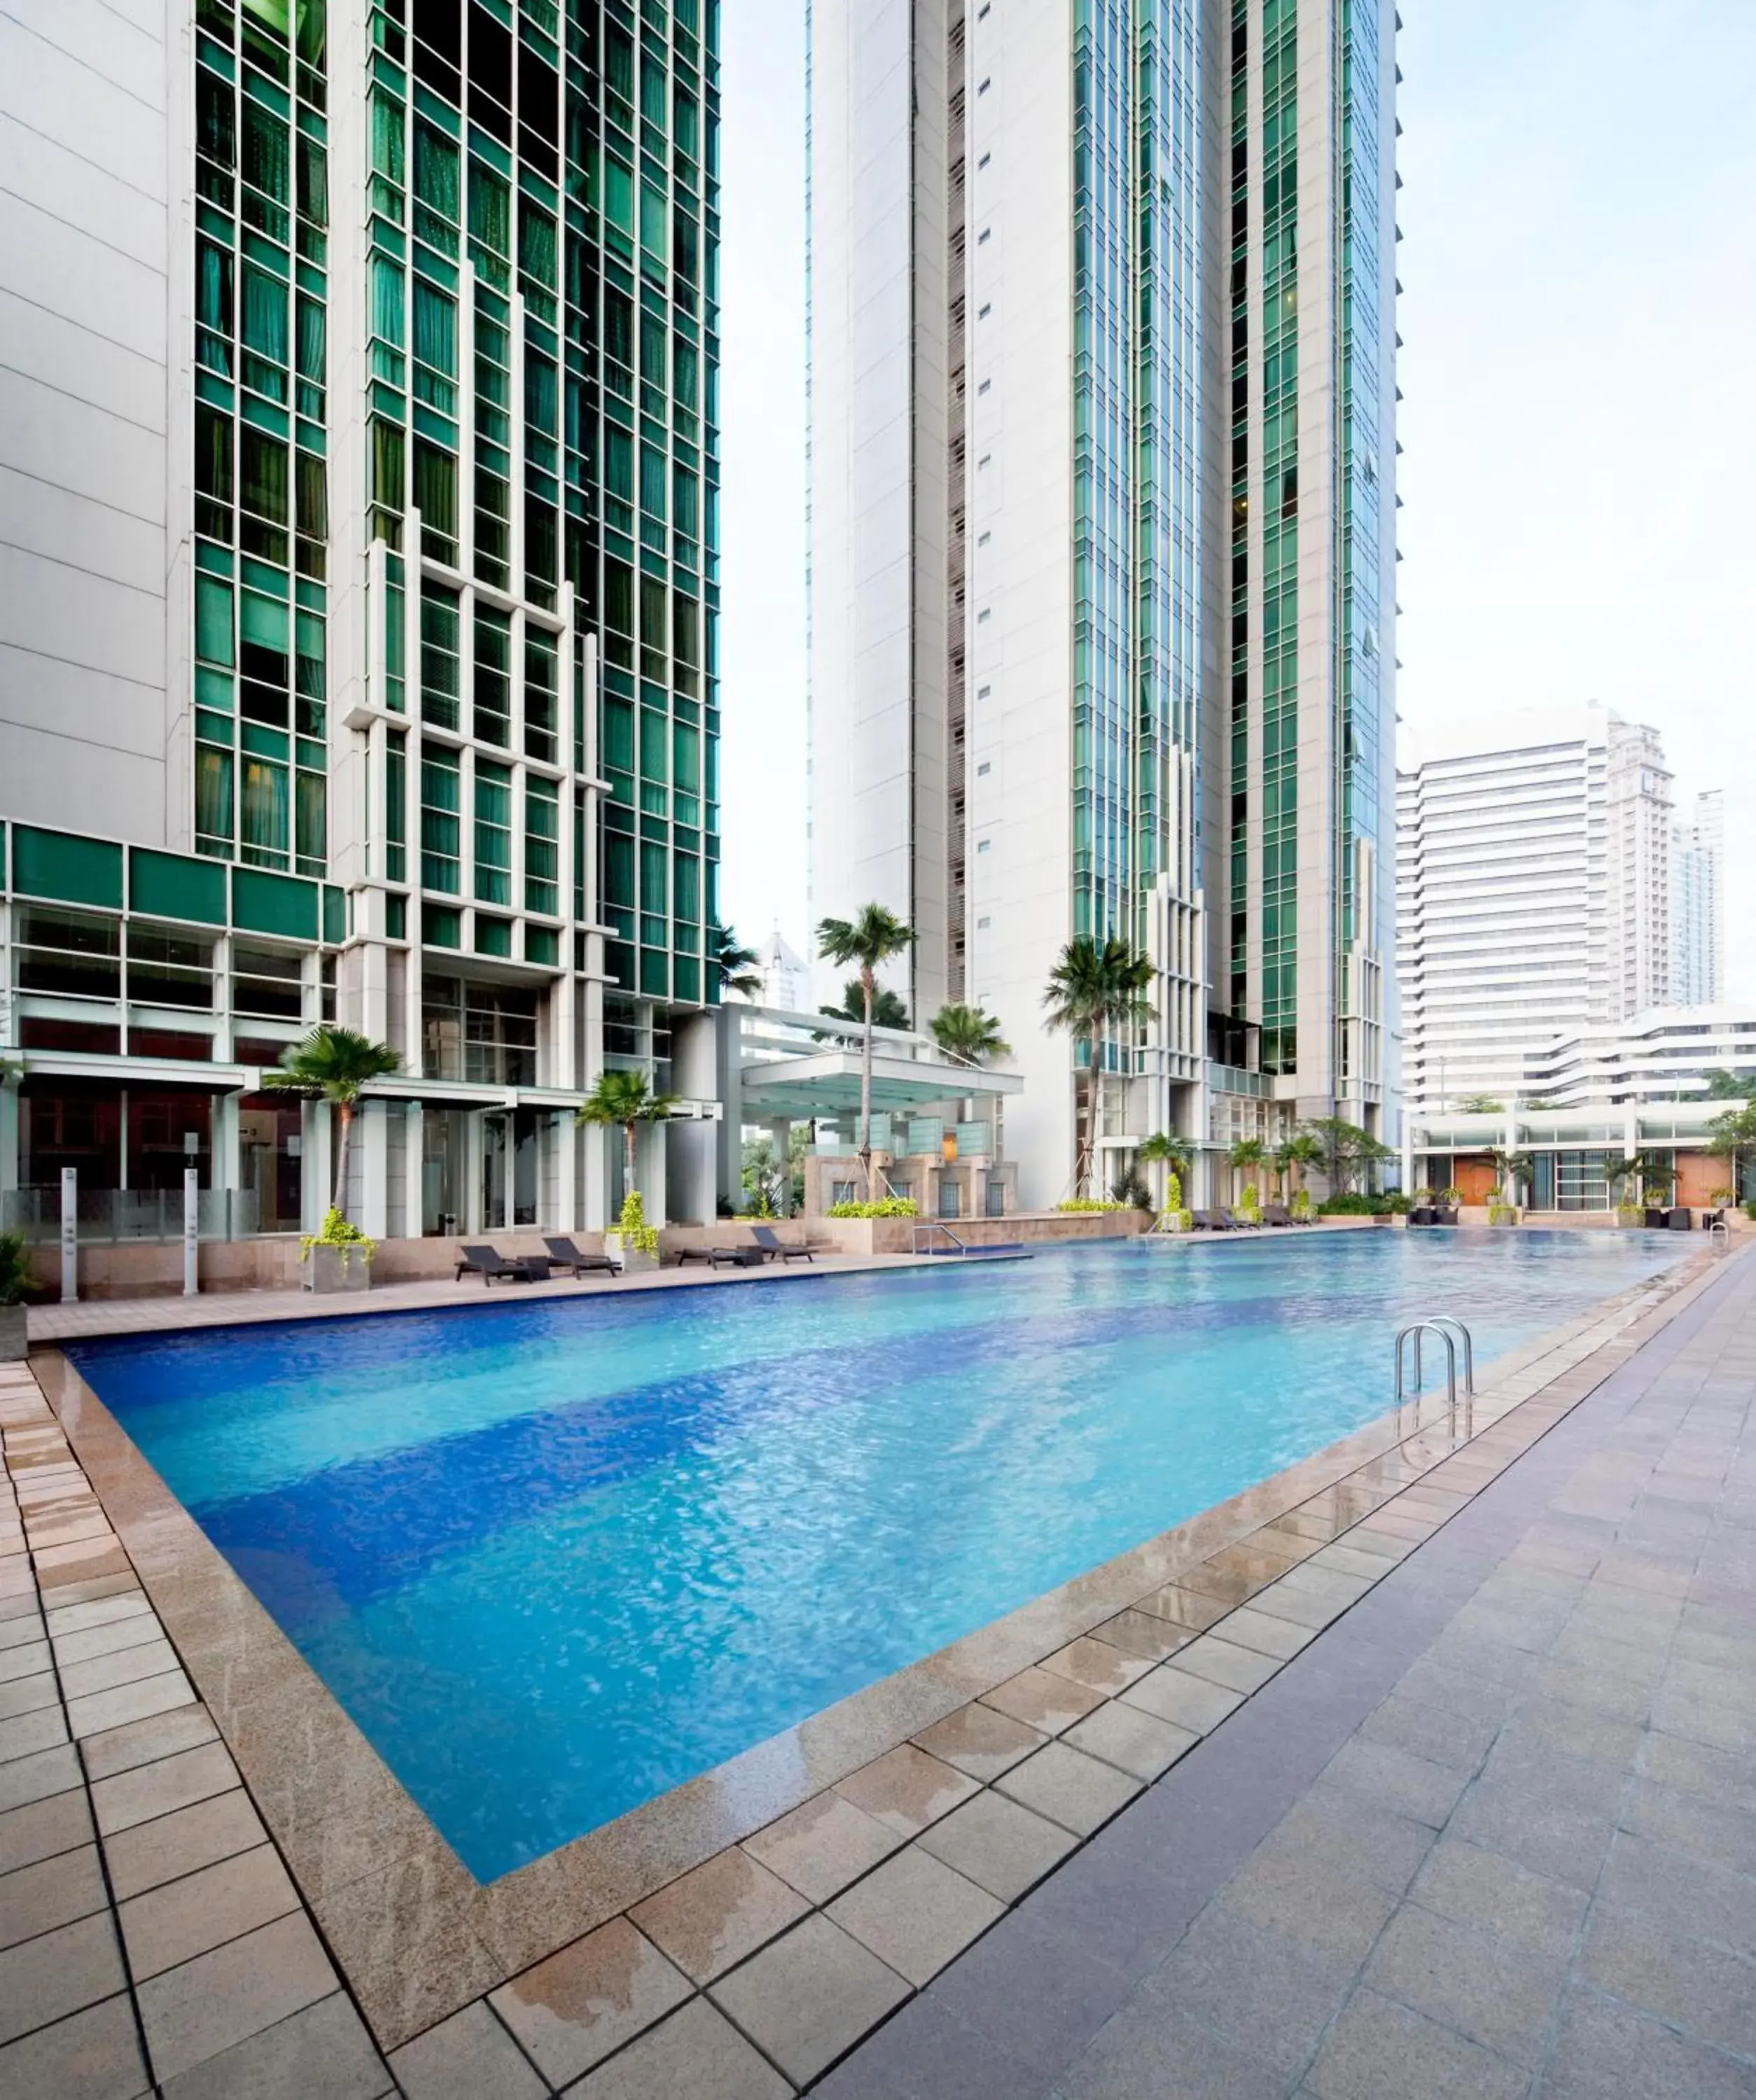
{"points": [[1300, 1206], [338, 1233], [888, 1206], [1397, 1203], [1351, 1203], [1091, 1203], [637, 1236], [16, 1281]]}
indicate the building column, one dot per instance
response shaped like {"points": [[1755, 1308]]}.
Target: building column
{"points": [[9, 1136], [693, 1143], [567, 1173], [596, 1173], [728, 1137], [369, 1169], [650, 1178], [414, 1169], [780, 1133], [317, 1182]]}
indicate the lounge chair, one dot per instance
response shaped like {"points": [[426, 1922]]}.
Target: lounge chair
{"points": [[773, 1247], [489, 1263], [1681, 1219], [1214, 1221], [564, 1254], [1655, 1218], [1276, 1214], [722, 1257]]}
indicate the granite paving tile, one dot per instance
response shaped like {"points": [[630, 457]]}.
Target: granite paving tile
{"points": [[468, 2057], [142, 1742], [28, 1695], [1097, 1666], [1377, 2048], [1222, 1661], [146, 1696], [1146, 1634], [1604, 2048], [1707, 1991], [41, 1828], [1079, 1792], [1280, 1637], [83, 1643], [822, 1846], [1192, 1703], [1146, 2049], [57, 1973], [907, 1789], [977, 1739], [53, 1892], [696, 2053], [141, 1791], [122, 1666], [24, 1659], [1140, 1743], [1258, 1989], [27, 1734], [914, 1912], [221, 1998], [1534, 1913], [571, 2011], [35, 1777], [1043, 1699], [808, 1997], [1502, 1997], [148, 1854], [89, 2055], [712, 1918], [321, 2053], [1413, 1785], [1000, 1846], [176, 1922]]}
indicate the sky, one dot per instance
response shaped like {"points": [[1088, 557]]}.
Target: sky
{"points": [[1579, 325]]}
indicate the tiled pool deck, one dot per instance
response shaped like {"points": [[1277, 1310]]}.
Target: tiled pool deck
{"points": [[1371, 1810]]}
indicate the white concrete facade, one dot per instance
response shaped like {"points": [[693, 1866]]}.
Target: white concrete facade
{"points": [[971, 768]]}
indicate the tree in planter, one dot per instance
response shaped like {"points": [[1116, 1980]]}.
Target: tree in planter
{"points": [[1297, 1155], [625, 1099], [1095, 987], [1171, 1156], [873, 936], [1510, 1168], [1730, 1137], [335, 1065], [1249, 1156], [1481, 1104]]}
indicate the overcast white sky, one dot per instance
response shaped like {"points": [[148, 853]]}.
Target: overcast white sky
{"points": [[1579, 318]]}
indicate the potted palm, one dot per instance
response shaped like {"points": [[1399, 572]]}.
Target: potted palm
{"points": [[16, 1284], [626, 1100], [1171, 1154], [335, 1065]]}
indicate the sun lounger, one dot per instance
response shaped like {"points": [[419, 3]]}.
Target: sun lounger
{"points": [[1214, 1221], [722, 1257], [489, 1263], [1276, 1214], [564, 1254], [773, 1247]]}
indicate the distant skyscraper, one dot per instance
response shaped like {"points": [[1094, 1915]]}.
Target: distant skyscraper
{"points": [[1102, 405], [1536, 888], [1697, 901]]}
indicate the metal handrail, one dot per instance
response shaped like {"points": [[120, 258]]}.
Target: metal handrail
{"points": [[1416, 1328], [937, 1225], [1719, 1236], [1451, 1319]]}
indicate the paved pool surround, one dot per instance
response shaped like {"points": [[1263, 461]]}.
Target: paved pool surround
{"points": [[764, 1916]]}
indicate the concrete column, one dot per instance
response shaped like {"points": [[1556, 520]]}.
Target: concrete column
{"points": [[650, 1177], [691, 1145], [593, 1143], [317, 1179], [413, 1154], [469, 1217], [368, 1142], [9, 1138], [728, 1137], [780, 1135], [567, 1174]]}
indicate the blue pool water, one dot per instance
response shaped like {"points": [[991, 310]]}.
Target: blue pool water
{"points": [[557, 1557]]}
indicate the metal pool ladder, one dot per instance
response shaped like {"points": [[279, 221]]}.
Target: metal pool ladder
{"points": [[1719, 1236], [934, 1225], [1441, 1324]]}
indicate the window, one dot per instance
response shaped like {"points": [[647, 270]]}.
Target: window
{"points": [[441, 801], [73, 954], [982, 389], [985, 845], [267, 983], [436, 498], [441, 672], [542, 833], [263, 813], [493, 833], [396, 808], [985, 234], [986, 766], [541, 675], [485, 1034], [493, 677], [213, 798]]}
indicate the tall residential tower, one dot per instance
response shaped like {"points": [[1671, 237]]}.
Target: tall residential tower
{"points": [[359, 651], [1102, 406]]}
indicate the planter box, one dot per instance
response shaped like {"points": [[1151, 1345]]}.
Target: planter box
{"points": [[15, 1342], [634, 1260], [326, 1269]]}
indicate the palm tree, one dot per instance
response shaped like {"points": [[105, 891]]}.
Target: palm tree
{"points": [[1728, 1137], [969, 1034], [888, 1009], [1096, 986], [736, 964], [1301, 1151], [1510, 1168], [872, 936], [1249, 1156], [626, 1098], [332, 1065], [1171, 1155]]}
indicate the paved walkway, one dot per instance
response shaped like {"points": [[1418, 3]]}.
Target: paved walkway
{"points": [[1492, 1834]]}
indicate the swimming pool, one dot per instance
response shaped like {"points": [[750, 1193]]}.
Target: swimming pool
{"points": [[556, 1557]]}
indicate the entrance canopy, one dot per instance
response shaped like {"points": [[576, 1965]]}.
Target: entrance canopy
{"points": [[804, 1065]]}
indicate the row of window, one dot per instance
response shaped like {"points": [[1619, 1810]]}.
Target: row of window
{"points": [[84, 956]]}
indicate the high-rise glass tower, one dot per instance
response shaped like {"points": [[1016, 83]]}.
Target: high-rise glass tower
{"points": [[1102, 409], [411, 596]]}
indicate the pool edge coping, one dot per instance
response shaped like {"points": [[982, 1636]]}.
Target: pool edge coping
{"points": [[418, 1939]]}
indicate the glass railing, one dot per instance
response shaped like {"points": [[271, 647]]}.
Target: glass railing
{"points": [[110, 1217]]}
